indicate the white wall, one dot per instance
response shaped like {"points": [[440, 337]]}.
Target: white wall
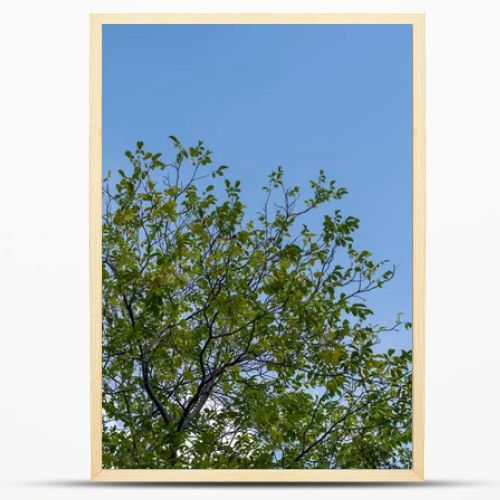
{"points": [[44, 443]]}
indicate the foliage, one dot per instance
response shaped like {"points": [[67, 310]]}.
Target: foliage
{"points": [[231, 342]]}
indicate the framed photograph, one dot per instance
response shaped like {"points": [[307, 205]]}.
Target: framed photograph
{"points": [[257, 247]]}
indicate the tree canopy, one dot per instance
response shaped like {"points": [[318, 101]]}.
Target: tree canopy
{"points": [[236, 340]]}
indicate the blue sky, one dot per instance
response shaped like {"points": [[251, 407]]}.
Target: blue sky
{"points": [[306, 97]]}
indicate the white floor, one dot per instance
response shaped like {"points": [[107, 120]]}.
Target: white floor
{"points": [[76, 489]]}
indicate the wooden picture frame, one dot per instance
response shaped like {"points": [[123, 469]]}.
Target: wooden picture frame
{"points": [[217, 475]]}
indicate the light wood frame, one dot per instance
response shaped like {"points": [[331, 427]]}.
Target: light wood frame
{"points": [[270, 475]]}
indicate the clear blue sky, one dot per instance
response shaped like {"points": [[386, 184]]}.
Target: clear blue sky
{"points": [[306, 97]]}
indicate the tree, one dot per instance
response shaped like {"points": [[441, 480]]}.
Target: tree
{"points": [[232, 342]]}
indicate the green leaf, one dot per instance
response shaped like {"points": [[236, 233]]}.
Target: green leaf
{"points": [[235, 338]]}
